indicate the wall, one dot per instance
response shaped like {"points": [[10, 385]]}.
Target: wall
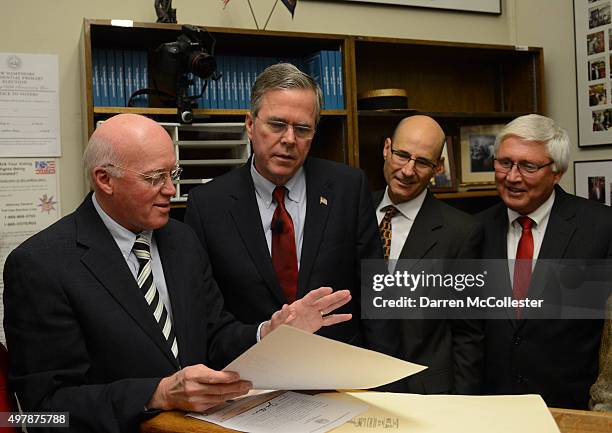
{"points": [[539, 23], [35, 26]]}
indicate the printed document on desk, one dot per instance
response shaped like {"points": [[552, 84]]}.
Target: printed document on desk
{"points": [[283, 411], [291, 359]]}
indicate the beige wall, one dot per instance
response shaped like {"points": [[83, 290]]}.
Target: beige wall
{"points": [[38, 26]]}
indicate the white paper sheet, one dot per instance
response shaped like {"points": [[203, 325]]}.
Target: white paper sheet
{"points": [[413, 413], [289, 358], [29, 202], [29, 105], [283, 411]]}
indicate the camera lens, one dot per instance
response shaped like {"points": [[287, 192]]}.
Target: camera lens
{"points": [[202, 64]]}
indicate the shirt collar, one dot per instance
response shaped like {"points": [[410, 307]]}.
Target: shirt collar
{"points": [[538, 215], [409, 208], [122, 236], [296, 186]]}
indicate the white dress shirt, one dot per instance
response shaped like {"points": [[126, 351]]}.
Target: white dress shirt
{"points": [[295, 203], [125, 241], [540, 218], [401, 223]]}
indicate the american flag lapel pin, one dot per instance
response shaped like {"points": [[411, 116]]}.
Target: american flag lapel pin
{"points": [[323, 201]]}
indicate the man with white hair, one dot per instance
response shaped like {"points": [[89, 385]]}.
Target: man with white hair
{"points": [[556, 358]]}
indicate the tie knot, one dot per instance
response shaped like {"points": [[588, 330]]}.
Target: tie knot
{"points": [[390, 211], [279, 194], [525, 222], [142, 248]]}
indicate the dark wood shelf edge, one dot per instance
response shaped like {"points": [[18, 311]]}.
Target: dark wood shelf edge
{"points": [[441, 114], [466, 194], [197, 111]]}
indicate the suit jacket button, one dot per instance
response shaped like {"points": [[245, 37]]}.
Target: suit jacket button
{"points": [[517, 340]]}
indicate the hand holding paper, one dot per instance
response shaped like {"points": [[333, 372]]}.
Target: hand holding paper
{"points": [[311, 312], [196, 388]]}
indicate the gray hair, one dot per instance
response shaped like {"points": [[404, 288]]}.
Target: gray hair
{"points": [[284, 76], [534, 127], [98, 153]]}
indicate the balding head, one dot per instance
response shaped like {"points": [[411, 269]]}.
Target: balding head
{"points": [[417, 142], [422, 131], [119, 139], [122, 157]]}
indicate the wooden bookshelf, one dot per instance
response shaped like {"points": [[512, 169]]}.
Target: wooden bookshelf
{"points": [[456, 83]]}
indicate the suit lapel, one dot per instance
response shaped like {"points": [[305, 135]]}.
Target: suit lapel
{"points": [[497, 249], [319, 200], [559, 231], [105, 261], [423, 234], [172, 266], [247, 220]]}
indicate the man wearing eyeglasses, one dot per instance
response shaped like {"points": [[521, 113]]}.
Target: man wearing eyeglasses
{"points": [[538, 220], [286, 223], [112, 314], [421, 227]]}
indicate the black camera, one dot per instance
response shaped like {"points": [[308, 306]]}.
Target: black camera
{"points": [[191, 53]]}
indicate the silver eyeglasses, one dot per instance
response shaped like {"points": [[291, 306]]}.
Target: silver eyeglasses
{"points": [[155, 178], [402, 157], [504, 165], [279, 127]]}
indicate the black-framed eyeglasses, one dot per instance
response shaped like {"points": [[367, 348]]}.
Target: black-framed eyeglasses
{"points": [[504, 165], [280, 127], [155, 178], [402, 157]]}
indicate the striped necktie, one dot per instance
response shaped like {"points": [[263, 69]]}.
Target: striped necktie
{"points": [[142, 251]]}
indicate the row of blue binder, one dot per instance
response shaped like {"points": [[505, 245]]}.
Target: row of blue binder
{"points": [[116, 75], [119, 73], [238, 74]]}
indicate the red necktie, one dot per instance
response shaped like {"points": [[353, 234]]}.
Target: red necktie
{"points": [[284, 257], [522, 265]]}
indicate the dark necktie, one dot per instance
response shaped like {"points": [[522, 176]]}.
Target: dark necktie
{"points": [[385, 229], [523, 262], [142, 251], [284, 256]]}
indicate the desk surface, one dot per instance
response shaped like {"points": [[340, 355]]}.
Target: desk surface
{"points": [[568, 420]]}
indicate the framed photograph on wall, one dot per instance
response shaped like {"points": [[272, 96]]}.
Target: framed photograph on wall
{"points": [[593, 45], [445, 181], [593, 180], [484, 6], [477, 144]]}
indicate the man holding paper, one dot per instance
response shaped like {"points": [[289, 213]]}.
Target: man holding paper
{"points": [[112, 314]]}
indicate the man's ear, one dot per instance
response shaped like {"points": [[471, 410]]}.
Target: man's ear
{"points": [[102, 180], [440, 167], [248, 123], [387, 148]]}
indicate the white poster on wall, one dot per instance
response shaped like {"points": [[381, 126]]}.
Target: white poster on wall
{"points": [[486, 6], [593, 38], [29, 105], [29, 202]]}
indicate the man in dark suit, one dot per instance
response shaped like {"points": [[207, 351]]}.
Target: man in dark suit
{"points": [[261, 260], [112, 312], [537, 220], [423, 227]]}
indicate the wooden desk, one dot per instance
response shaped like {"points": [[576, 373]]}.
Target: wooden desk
{"points": [[582, 421], [568, 420]]}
